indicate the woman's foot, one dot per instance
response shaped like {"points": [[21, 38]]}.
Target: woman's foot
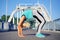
{"points": [[40, 35], [20, 35]]}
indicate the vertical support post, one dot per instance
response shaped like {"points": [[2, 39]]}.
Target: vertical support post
{"points": [[20, 11], [50, 12], [54, 27], [6, 9], [17, 18], [13, 20]]}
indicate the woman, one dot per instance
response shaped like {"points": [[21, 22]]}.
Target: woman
{"points": [[27, 14]]}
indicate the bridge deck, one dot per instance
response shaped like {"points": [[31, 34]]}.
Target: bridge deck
{"points": [[29, 35]]}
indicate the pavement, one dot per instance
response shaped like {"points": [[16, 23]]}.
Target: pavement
{"points": [[29, 35]]}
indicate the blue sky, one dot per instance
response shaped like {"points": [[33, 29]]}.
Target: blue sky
{"points": [[12, 5]]}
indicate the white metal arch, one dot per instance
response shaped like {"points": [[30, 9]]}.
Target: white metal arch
{"points": [[40, 8]]}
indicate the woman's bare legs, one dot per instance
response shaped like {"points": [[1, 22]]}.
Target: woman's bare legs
{"points": [[20, 25]]}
